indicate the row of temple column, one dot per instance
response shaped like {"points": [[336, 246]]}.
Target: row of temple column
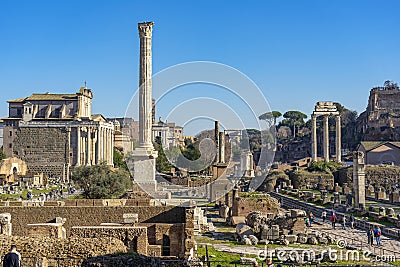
{"points": [[325, 145], [94, 145]]}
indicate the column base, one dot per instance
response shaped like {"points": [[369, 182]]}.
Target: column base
{"points": [[143, 168]]}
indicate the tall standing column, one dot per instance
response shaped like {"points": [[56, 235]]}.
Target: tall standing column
{"points": [[326, 138], [145, 85], [97, 147], [107, 146], [84, 148], [221, 147], [78, 146], [112, 147], [102, 144], [88, 146], [314, 137], [359, 180], [338, 139], [217, 141]]}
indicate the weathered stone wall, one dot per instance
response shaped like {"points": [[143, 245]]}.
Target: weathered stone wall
{"points": [[175, 232], [263, 203], [89, 216], [134, 238], [74, 248], [385, 176], [303, 179], [43, 149]]}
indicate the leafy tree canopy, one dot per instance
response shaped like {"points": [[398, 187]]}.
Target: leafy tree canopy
{"points": [[162, 163], [119, 159], [322, 166], [100, 181], [295, 116]]}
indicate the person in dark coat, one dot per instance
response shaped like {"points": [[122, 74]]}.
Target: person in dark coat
{"points": [[12, 258]]}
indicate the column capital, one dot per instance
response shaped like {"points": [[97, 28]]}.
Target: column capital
{"points": [[145, 29]]}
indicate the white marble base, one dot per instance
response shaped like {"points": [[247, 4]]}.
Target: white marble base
{"points": [[144, 168]]}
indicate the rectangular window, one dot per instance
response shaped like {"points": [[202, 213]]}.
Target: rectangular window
{"points": [[10, 133], [10, 145]]}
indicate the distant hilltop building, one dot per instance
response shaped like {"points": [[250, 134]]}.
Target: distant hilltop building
{"points": [[53, 132], [381, 120], [170, 134]]}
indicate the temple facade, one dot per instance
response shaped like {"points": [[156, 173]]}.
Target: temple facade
{"points": [[54, 132]]}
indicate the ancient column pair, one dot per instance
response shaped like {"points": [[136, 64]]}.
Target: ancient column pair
{"points": [[325, 146]]}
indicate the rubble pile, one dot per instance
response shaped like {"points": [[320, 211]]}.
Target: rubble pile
{"points": [[283, 228]]}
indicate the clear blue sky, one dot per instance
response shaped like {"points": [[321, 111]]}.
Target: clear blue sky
{"points": [[297, 52]]}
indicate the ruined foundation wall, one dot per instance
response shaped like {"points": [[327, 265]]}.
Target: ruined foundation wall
{"points": [[50, 248], [45, 150], [263, 203], [89, 216], [379, 175]]}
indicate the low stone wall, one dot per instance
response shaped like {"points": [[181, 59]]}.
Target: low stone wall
{"points": [[303, 179], [81, 203], [89, 216], [134, 238], [263, 203], [380, 175], [74, 248]]}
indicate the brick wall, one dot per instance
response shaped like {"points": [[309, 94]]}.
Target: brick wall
{"points": [[43, 149]]}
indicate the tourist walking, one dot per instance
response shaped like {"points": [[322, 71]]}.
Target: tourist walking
{"points": [[323, 216], [370, 235], [344, 219], [307, 221], [333, 220], [12, 258], [352, 220], [269, 263], [311, 216], [377, 234]]}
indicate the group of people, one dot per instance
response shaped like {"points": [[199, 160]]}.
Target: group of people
{"points": [[371, 233], [309, 219], [334, 219], [374, 233]]}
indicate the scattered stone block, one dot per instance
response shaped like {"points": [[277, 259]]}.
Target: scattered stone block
{"points": [[302, 239], [294, 213], [5, 224], [390, 212], [291, 238], [130, 218], [235, 220], [244, 230], [312, 240]]}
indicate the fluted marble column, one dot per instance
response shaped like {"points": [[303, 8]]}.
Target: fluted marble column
{"points": [[112, 147], [89, 146], [97, 147], [314, 137], [78, 146], [338, 139], [145, 85], [326, 138]]}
